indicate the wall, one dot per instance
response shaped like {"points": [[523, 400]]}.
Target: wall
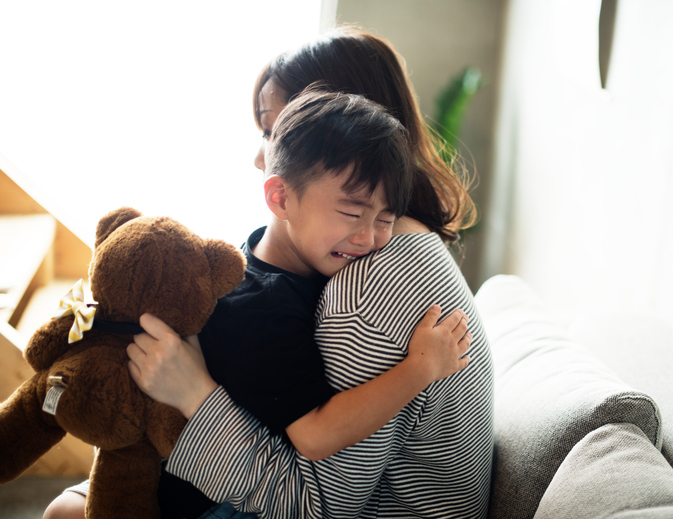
{"points": [[438, 39], [583, 175]]}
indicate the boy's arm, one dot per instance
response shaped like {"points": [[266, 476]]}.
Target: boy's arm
{"points": [[436, 351]]}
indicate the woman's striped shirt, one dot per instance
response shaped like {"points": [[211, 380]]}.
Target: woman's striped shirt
{"points": [[432, 460]]}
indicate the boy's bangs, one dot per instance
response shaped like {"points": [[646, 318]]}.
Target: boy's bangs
{"points": [[333, 132], [367, 177]]}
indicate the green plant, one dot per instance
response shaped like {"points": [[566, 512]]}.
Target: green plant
{"points": [[452, 104]]}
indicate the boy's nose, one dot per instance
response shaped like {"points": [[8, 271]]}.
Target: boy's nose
{"points": [[364, 238], [259, 158]]}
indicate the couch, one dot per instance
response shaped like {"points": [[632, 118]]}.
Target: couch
{"points": [[583, 412]]}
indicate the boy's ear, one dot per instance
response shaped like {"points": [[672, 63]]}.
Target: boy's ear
{"points": [[276, 193]]}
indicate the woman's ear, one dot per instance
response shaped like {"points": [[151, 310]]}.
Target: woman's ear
{"points": [[276, 193]]}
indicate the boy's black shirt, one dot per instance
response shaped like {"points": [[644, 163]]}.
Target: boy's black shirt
{"points": [[259, 345]]}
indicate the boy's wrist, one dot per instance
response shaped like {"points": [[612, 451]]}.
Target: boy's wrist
{"points": [[420, 369]]}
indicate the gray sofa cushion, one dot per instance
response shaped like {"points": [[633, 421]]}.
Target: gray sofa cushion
{"points": [[640, 350], [613, 472], [550, 392]]}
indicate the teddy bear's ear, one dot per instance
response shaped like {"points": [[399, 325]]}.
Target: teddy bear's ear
{"points": [[227, 265], [112, 221]]}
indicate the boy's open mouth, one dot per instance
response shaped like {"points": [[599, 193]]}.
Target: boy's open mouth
{"points": [[342, 255]]}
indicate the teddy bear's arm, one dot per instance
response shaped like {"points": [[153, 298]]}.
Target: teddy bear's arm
{"points": [[26, 431], [124, 483], [48, 343]]}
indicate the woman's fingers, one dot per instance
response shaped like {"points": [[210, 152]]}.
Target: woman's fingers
{"points": [[154, 326]]}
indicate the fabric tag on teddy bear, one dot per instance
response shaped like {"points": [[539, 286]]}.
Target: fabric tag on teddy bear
{"points": [[51, 400]]}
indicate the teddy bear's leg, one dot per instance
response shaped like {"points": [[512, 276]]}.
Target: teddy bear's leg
{"points": [[124, 483], [26, 431]]}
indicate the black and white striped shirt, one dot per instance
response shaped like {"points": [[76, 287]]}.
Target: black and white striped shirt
{"points": [[432, 460]]}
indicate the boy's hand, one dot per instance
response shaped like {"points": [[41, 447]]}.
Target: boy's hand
{"points": [[440, 348], [435, 352], [168, 368]]}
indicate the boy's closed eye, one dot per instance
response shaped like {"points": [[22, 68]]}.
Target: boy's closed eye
{"points": [[386, 217], [349, 215]]}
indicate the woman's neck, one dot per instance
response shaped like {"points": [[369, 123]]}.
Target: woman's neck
{"points": [[406, 225]]}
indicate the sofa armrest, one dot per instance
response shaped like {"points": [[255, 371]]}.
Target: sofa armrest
{"points": [[639, 349], [550, 392]]}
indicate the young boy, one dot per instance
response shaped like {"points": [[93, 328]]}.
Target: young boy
{"points": [[338, 174]]}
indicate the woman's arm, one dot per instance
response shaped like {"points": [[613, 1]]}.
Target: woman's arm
{"points": [[436, 351], [223, 451], [231, 457]]}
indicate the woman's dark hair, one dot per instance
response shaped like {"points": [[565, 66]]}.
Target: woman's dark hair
{"points": [[357, 62], [325, 132]]}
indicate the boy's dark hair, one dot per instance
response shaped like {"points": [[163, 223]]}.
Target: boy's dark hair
{"points": [[323, 131]]}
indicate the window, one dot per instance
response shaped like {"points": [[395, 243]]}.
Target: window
{"points": [[143, 103]]}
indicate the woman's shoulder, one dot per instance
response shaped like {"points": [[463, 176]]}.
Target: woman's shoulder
{"points": [[409, 262], [422, 253], [393, 288], [405, 249]]}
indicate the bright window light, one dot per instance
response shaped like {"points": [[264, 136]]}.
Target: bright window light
{"points": [[143, 103]]}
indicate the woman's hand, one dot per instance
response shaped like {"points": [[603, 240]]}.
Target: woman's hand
{"points": [[168, 368], [441, 348]]}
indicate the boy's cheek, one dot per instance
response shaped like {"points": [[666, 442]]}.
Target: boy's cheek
{"points": [[383, 241]]}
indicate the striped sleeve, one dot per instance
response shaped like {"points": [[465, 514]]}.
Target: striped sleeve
{"points": [[228, 455]]}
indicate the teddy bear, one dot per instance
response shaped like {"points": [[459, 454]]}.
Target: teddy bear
{"points": [[82, 383]]}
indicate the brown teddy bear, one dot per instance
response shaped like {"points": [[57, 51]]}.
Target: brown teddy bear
{"points": [[83, 386]]}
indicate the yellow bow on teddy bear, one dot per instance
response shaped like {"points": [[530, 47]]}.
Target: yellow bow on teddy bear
{"points": [[73, 304]]}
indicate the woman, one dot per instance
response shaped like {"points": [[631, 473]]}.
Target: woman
{"points": [[433, 459]]}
